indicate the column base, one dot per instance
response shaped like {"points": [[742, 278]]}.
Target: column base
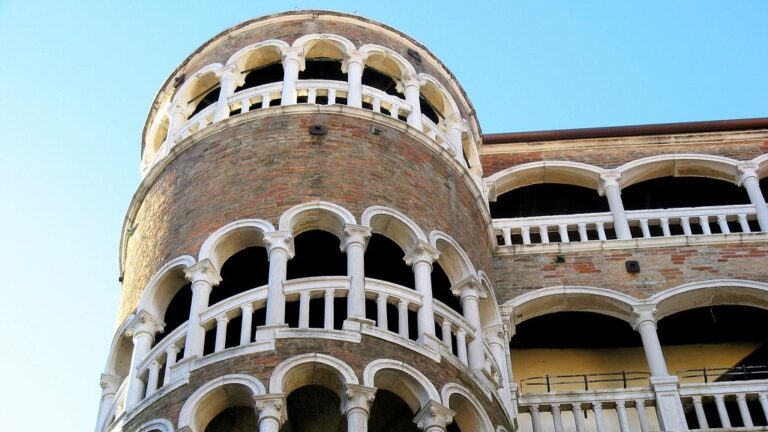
{"points": [[268, 332], [669, 408], [356, 324]]}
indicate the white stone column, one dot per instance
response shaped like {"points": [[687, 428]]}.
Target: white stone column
{"points": [[229, 77], [402, 318], [645, 324], [446, 329], [557, 418], [204, 277], [741, 400], [461, 346], [764, 403], [328, 298], [469, 291], [153, 377], [621, 411], [642, 416], [609, 187], [597, 408], [246, 323], [304, 298], [171, 355], [433, 417], [533, 410], [412, 89], [420, 258], [356, 406], [700, 414], [354, 243], [381, 312], [280, 248], [177, 116], [722, 412], [454, 129], [271, 411], [143, 330], [749, 179], [578, 418], [293, 62], [355, 63], [109, 385], [221, 333]]}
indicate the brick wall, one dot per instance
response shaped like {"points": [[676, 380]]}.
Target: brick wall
{"points": [[661, 268]]}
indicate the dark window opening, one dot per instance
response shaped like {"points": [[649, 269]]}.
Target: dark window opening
{"points": [[267, 74], [563, 330], [317, 254], [237, 418], [177, 312], [323, 69], [384, 261], [381, 81], [715, 324], [428, 110], [313, 408], [548, 199], [441, 289], [243, 271], [675, 192], [206, 100]]}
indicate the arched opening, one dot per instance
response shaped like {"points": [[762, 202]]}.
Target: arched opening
{"points": [[548, 199], [318, 253], [441, 289], [204, 100], [673, 192], [728, 344], [260, 66], [384, 260], [467, 417], [314, 408], [234, 419], [390, 413], [156, 140], [226, 408], [171, 298], [432, 103], [577, 351], [177, 312]]}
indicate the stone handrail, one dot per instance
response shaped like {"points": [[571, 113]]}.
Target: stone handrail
{"points": [[381, 100], [328, 88], [263, 95], [196, 123], [592, 226], [161, 358], [437, 134]]}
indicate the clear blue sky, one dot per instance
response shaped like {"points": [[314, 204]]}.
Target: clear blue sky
{"points": [[77, 82]]}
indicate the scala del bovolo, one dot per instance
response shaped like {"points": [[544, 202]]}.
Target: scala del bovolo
{"points": [[324, 240]]}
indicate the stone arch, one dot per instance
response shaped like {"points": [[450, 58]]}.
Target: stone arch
{"points": [[324, 45], [469, 145], [565, 172], [572, 299], [454, 261], [161, 425], [678, 165], [321, 215], [121, 350], [232, 238], [719, 292], [762, 165], [403, 380], [215, 396], [489, 310], [312, 368], [258, 54], [386, 61], [201, 81], [470, 415], [393, 225], [438, 96], [165, 283]]}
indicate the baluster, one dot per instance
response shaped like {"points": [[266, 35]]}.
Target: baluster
{"points": [[535, 418], [701, 417], [664, 222], [393, 111], [329, 297], [764, 403], [304, 309], [583, 232], [381, 312], [221, 332], [154, 374], [704, 224], [722, 222], [557, 418], [266, 98], [525, 231], [312, 96], [563, 230], [578, 417], [621, 410], [245, 105], [685, 222], [744, 224], [171, 353], [722, 411], [601, 231], [741, 400], [644, 228], [597, 408], [376, 102], [461, 346], [507, 234], [447, 340], [402, 318], [642, 416], [331, 96], [245, 324], [544, 234]]}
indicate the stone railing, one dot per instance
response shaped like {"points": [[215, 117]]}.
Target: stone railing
{"points": [[255, 98], [196, 123], [382, 102], [645, 223], [596, 410], [155, 370], [453, 327], [715, 405], [328, 89]]}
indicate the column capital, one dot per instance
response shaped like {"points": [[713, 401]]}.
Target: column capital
{"points": [[270, 406], [434, 414], [355, 234], [469, 287], [608, 179], [495, 333], [421, 252], [294, 54], [747, 170], [144, 322], [357, 397], [643, 314], [203, 271], [410, 80], [280, 240], [353, 56], [109, 383], [228, 71]]}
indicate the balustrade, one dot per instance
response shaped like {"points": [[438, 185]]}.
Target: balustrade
{"points": [[155, 369], [710, 404]]}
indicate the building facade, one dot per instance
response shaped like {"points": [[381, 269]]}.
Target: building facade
{"points": [[324, 240]]}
